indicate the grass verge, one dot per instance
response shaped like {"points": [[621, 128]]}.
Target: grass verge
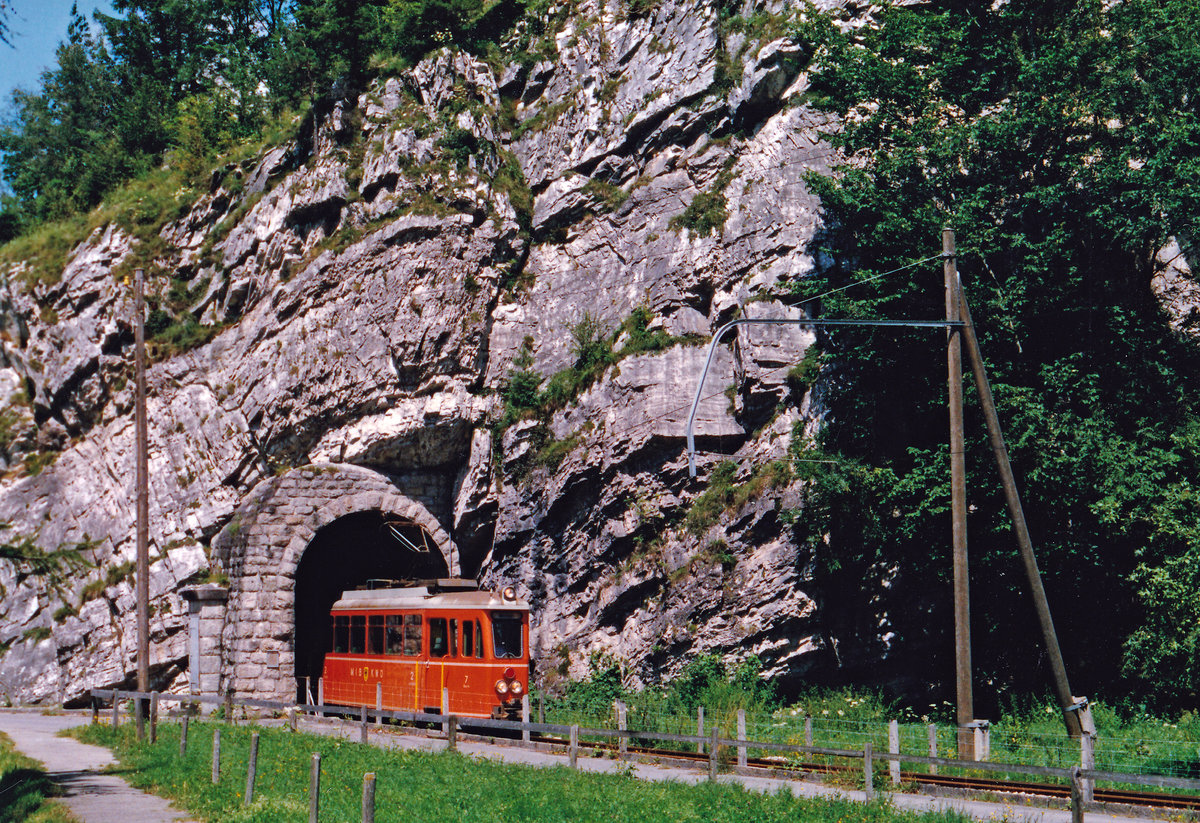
{"points": [[422, 786], [25, 791]]}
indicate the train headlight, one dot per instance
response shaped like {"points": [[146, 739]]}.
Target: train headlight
{"points": [[517, 688], [501, 688], [509, 593]]}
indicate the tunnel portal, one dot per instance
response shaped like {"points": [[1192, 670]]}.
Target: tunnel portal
{"points": [[344, 555]]}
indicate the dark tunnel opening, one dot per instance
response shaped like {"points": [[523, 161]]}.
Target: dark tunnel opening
{"points": [[344, 555]]}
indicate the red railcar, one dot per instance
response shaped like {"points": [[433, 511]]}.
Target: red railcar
{"points": [[420, 640]]}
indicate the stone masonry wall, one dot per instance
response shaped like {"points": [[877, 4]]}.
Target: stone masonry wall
{"points": [[260, 551]]}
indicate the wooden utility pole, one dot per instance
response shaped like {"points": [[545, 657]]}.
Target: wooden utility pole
{"points": [[958, 507], [1076, 714], [143, 495]]}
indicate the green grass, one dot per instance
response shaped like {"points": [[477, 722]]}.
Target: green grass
{"points": [[843, 719], [449, 787], [25, 790]]}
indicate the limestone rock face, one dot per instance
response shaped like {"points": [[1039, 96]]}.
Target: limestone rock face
{"points": [[369, 287], [1177, 289]]}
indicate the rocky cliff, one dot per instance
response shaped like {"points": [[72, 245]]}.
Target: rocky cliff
{"points": [[361, 295]]}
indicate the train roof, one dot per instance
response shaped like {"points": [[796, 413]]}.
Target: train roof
{"points": [[440, 594]]}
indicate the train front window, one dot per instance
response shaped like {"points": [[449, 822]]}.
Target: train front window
{"points": [[375, 634], [454, 638], [468, 639], [506, 634], [341, 634], [437, 637], [395, 634], [358, 634], [479, 644], [412, 635]]}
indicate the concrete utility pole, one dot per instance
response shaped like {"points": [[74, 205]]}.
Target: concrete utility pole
{"points": [[958, 507], [143, 495]]}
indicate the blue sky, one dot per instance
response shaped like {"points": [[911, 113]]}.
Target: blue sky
{"points": [[35, 28]]}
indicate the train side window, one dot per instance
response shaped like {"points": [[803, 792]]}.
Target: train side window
{"points": [[358, 634], [412, 635], [341, 634], [437, 637], [375, 634], [506, 634], [453, 637], [395, 634], [468, 645], [479, 640]]}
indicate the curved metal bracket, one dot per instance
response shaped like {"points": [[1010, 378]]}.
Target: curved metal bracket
{"points": [[745, 321]]}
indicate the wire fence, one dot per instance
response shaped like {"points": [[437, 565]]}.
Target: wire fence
{"points": [[791, 739], [1015, 744]]}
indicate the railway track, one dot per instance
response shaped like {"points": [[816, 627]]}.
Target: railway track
{"points": [[1124, 797]]}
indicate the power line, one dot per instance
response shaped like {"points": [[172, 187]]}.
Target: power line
{"points": [[867, 280]]}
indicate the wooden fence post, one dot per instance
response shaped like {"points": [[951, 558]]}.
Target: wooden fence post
{"points": [[700, 728], [183, 731], [229, 706], [314, 789], [541, 708], [808, 734], [894, 748], [1087, 761], [741, 736], [362, 735], [868, 772], [933, 749], [292, 712], [368, 801], [573, 748], [95, 710], [713, 752], [321, 695], [139, 717], [153, 717], [216, 757], [452, 732], [525, 736], [252, 768], [1076, 795], [445, 710], [379, 703], [622, 725]]}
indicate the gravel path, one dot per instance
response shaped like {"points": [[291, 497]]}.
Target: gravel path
{"points": [[91, 795]]}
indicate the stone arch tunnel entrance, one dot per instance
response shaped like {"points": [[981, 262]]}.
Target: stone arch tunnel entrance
{"points": [[345, 554], [293, 545]]}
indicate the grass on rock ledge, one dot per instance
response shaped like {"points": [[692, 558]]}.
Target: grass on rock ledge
{"points": [[444, 786]]}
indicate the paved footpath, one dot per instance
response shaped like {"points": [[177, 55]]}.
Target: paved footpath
{"points": [[91, 795]]}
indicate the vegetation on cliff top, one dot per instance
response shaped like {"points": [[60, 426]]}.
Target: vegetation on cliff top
{"points": [[183, 81]]}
